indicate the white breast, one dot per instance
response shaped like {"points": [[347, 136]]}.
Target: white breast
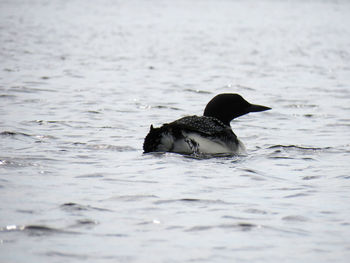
{"points": [[215, 146], [195, 143]]}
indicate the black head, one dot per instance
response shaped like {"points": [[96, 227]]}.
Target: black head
{"points": [[228, 106]]}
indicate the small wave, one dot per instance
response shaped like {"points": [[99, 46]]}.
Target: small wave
{"points": [[166, 107], [87, 257], [22, 135], [71, 207], [256, 211], [39, 230], [102, 147], [302, 106], [36, 230], [116, 148], [198, 91], [296, 195], [87, 222], [239, 226], [200, 156], [291, 152], [295, 218], [94, 175], [205, 156], [94, 112], [26, 89], [311, 177], [84, 223], [131, 198], [199, 228], [21, 162], [281, 157], [67, 255], [130, 181], [15, 163], [191, 200], [13, 133], [7, 96], [304, 148]]}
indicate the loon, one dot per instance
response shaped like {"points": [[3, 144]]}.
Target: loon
{"points": [[207, 134]]}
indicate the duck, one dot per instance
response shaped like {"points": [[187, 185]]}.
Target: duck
{"points": [[208, 134]]}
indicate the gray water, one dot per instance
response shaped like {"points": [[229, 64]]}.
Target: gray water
{"points": [[80, 84]]}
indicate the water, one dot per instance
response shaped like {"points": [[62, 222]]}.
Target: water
{"points": [[80, 84]]}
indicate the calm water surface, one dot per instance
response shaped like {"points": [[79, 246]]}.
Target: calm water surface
{"points": [[80, 84]]}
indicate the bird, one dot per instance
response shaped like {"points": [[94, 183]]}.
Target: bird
{"points": [[208, 134]]}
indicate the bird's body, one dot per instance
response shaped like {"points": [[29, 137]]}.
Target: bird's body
{"points": [[208, 134], [193, 134]]}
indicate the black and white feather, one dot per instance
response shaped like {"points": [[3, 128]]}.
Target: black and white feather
{"points": [[193, 134], [208, 134]]}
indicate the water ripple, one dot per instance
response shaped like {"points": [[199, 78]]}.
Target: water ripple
{"points": [[13, 133], [296, 147], [36, 230], [73, 207], [237, 226], [193, 200], [295, 218], [132, 198]]}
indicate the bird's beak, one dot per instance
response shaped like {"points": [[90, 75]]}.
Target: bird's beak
{"points": [[256, 108]]}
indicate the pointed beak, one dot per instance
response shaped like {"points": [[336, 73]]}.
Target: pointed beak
{"points": [[256, 108]]}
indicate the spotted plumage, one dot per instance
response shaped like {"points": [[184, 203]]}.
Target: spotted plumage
{"points": [[208, 134]]}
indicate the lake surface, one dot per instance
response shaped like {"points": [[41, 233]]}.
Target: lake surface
{"points": [[80, 84]]}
